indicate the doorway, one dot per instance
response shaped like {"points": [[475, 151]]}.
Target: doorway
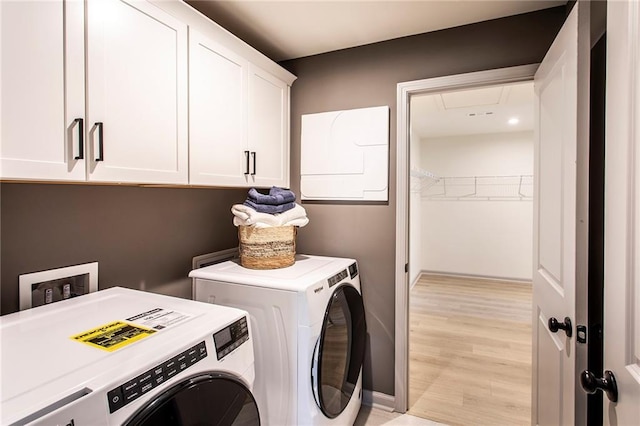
{"points": [[470, 245], [403, 268]]}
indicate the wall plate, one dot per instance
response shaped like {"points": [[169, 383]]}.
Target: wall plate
{"points": [[45, 287]]}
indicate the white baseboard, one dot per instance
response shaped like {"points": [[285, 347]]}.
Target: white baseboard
{"points": [[378, 400], [415, 281], [486, 277]]}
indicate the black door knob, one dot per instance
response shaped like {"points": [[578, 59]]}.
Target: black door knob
{"points": [[554, 326], [590, 383]]}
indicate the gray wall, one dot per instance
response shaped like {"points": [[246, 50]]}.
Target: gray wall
{"points": [[367, 76], [143, 238]]}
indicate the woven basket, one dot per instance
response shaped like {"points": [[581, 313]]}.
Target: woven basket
{"points": [[267, 248]]}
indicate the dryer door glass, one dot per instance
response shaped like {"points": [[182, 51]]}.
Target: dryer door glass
{"points": [[340, 351], [206, 399]]}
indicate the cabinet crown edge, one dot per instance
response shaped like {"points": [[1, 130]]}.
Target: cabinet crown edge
{"points": [[194, 19]]}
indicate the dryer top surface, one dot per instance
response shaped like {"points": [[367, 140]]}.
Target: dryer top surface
{"points": [[305, 272]]}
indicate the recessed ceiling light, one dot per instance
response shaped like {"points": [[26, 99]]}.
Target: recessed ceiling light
{"points": [[513, 121]]}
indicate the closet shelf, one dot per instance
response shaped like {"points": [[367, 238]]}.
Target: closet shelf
{"points": [[483, 188], [422, 180]]}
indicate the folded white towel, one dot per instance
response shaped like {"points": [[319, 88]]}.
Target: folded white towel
{"points": [[300, 222], [248, 216], [239, 210], [298, 212]]}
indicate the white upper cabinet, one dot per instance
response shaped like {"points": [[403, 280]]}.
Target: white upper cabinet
{"points": [[268, 128], [217, 113], [42, 90], [238, 126], [137, 93]]}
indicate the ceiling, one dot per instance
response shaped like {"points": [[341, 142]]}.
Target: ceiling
{"points": [[290, 29], [473, 111]]}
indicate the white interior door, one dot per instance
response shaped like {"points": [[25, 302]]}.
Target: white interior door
{"points": [[622, 212], [556, 229]]}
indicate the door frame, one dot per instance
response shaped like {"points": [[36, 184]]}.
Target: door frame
{"points": [[404, 92]]}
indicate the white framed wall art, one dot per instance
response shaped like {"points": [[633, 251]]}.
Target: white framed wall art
{"points": [[345, 155]]}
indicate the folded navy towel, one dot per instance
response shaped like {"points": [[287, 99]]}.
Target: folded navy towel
{"points": [[276, 196], [269, 208]]}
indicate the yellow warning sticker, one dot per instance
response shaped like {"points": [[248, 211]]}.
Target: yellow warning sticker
{"points": [[113, 336]]}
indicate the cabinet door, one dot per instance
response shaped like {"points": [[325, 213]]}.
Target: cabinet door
{"points": [[137, 89], [42, 89], [217, 114], [268, 129]]}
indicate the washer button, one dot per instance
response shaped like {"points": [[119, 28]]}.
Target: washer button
{"points": [[146, 387], [131, 384], [145, 377], [116, 401], [132, 394], [159, 379]]}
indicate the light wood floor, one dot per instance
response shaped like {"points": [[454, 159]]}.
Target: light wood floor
{"points": [[470, 351]]}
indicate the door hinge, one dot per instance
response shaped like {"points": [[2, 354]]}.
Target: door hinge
{"points": [[406, 268]]}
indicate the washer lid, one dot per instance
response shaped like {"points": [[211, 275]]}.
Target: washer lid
{"points": [[306, 271]]}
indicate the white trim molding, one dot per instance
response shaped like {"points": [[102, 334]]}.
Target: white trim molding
{"points": [[378, 400], [473, 276], [404, 92]]}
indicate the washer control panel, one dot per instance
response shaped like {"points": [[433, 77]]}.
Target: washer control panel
{"points": [[135, 388], [230, 337], [337, 278], [353, 270]]}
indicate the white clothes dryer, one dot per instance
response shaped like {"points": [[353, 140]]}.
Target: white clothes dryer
{"points": [[309, 331], [126, 357]]}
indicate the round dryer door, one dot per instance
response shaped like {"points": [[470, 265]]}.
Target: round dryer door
{"points": [[339, 351], [205, 399]]}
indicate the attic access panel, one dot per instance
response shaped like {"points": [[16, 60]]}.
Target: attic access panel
{"points": [[345, 155]]}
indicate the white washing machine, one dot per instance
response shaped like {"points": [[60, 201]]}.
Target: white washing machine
{"points": [[309, 333], [126, 357]]}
